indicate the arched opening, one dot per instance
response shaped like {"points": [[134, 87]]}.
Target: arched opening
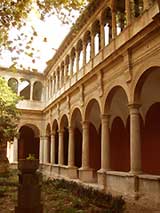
{"points": [[28, 142], [13, 84], [48, 141], [107, 22], [62, 74], [138, 7], [119, 146], [73, 60], [120, 15], [93, 116], [76, 125], [67, 63], [146, 94], [55, 131], [37, 91], [24, 88], [151, 141], [64, 128], [117, 107], [80, 54], [97, 37], [87, 40]]}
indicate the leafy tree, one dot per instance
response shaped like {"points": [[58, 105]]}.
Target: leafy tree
{"points": [[13, 13], [9, 116]]}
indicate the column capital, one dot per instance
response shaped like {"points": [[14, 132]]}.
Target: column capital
{"points": [[53, 133], [105, 117], [134, 108], [85, 124]]}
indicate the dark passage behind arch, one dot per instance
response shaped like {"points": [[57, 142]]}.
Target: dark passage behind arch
{"points": [[27, 143]]}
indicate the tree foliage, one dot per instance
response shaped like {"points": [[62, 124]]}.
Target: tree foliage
{"points": [[9, 114], [13, 13]]}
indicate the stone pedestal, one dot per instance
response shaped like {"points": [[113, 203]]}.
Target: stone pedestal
{"points": [[87, 175], [29, 192]]}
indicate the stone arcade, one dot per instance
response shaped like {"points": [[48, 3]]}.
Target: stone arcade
{"points": [[94, 114]]}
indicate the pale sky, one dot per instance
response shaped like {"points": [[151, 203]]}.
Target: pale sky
{"points": [[52, 29]]}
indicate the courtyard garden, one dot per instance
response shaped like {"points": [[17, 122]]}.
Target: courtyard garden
{"points": [[61, 196]]}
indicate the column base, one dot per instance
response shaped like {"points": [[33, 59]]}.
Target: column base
{"points": [[72, 172], [88, 175]]}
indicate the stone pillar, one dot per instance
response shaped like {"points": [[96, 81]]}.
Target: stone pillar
{"points": [[84, 53], [102, 35], [71, 66], [15, 150], [31, 91], [45, 149], [61, 148], [29, 188], [60, 78], [135, 139], [56, 83], [85, 145], [114, 27], [41, 150], [71, 157], [105, 143], [128, 11], [65, 73], [53, 148], [77, 61], [92, 45]]}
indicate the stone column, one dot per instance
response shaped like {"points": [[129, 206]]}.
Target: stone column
{"points": [[135, 139], [31, 91], [71, 66], [92, 45], [114, 27], [105, 143], [77, 61], [15, 150], [65, 73], [60, 77], [41, 150], [128, 11], [61, 148], [45, 140], [85, 145], [84, 53], [71, 157], [53, 148], [102, 35], [56, 83]]}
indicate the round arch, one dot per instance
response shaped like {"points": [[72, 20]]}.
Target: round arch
{"points": [[56, 140], [93, 116], [28, 142], [146, 94], [116, 105], [76, 124], [64, 128]]}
